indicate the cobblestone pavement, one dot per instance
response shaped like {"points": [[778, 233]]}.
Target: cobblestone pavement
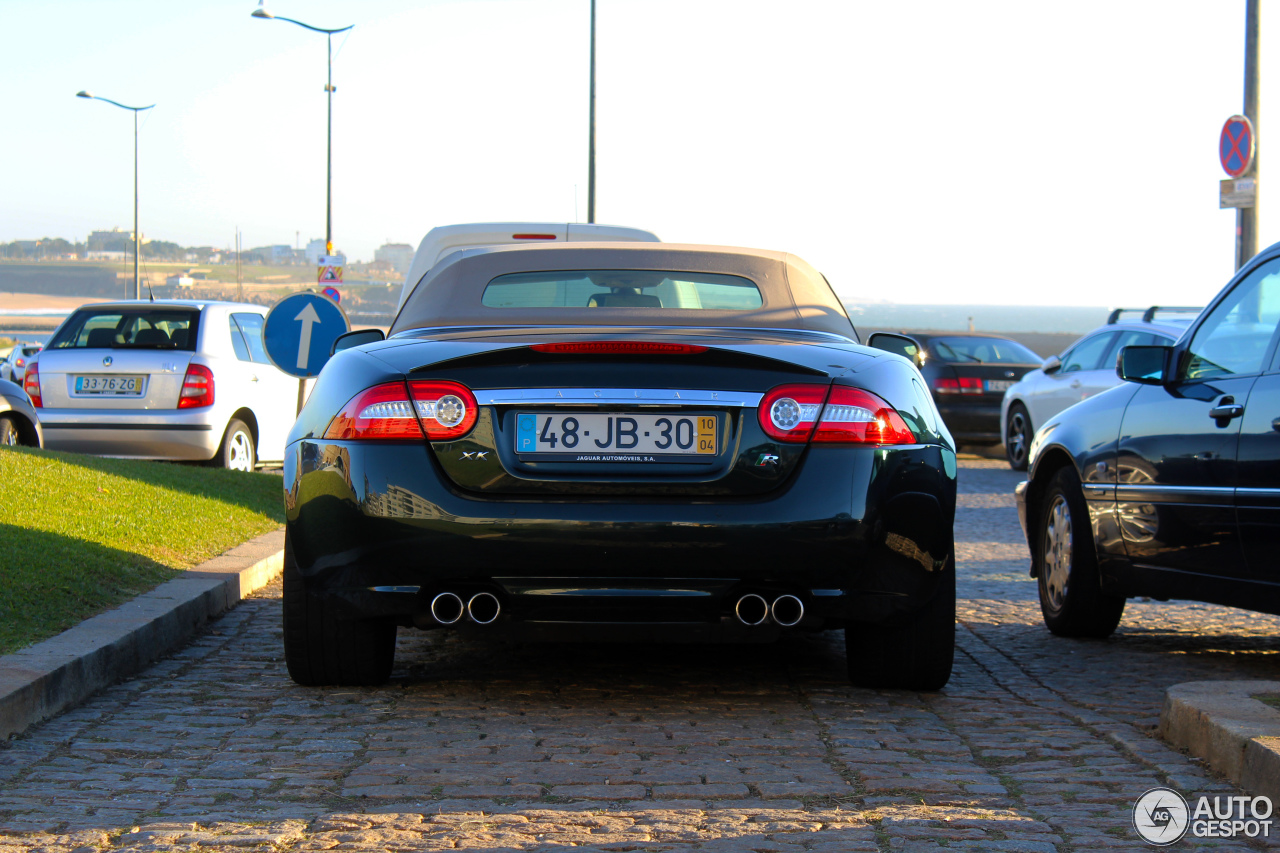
{"points": [[1037, 744]]}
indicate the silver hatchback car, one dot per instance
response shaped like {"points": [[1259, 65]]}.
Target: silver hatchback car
{"points": [[176, 379]]}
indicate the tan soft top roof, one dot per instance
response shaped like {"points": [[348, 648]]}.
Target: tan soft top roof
{"points": [[795, 295]]}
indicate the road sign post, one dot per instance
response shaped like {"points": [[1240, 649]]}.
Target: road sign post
{"points": [[299, 332]]}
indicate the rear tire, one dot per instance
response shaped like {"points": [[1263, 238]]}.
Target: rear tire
{"points": [[9, 434], [237, 452], [915, 654], [1071, 596], [320, 648], [1017, 437]]}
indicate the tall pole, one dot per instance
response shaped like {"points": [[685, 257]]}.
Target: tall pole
{"points": [[137, 289], [1247, 217], [591, 132], [261, 12], [328, 176]]}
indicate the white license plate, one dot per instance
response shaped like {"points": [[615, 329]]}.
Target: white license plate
{"points": [[616, 436], [999, 384], [119, 386]]}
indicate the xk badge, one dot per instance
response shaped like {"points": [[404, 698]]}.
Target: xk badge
{"points": [[474, 455]]}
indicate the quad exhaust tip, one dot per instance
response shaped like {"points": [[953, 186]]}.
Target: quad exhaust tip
{"points": [[483, 608], [447, 608], [787, 610]]}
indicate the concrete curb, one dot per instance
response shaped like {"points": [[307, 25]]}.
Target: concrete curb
{"points": [[50, 677], [1236, 734]]}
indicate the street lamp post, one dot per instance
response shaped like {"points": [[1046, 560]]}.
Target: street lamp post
{"points": [[137, 290], [329, 88]]}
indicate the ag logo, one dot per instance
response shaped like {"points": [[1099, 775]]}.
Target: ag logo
{"points": [[1160, 816]]}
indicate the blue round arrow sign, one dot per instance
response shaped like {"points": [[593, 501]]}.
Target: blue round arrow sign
{"points": [[299, 332]]}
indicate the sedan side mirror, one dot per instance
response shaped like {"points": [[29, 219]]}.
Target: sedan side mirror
{"points": [[1148, 365], [1051, 364], [355, 339], [898, 345]]}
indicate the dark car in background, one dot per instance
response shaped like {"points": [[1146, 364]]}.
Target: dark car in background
{"points": [[967, 376], [619, 437], [1167, 485]]}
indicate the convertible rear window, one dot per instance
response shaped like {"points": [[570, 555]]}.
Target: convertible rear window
{"points": [[649, 289], [131, 328]]}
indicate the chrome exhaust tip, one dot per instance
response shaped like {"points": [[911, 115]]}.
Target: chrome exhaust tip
{"points": [[447, 608], [483, 608], [787, 610], [751, 609]]}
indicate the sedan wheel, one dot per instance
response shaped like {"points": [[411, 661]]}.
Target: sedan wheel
{"points": [[1071, 596], [1017, 437]]}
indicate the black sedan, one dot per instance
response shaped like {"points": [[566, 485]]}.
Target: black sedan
{"points": [[967, 375], [1168, 485], [619, 440]]}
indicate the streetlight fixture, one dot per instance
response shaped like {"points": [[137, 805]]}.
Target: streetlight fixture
{"points": [[261, 12], [137, 290]]}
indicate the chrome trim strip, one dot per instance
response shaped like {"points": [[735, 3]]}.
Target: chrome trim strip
{"points": [[1154, 493], [412, 590], [1261, 493], [616, 397]]}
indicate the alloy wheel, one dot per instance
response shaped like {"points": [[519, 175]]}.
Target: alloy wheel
{"points": [[1016, 440], [241, 447], [1057, 552]]}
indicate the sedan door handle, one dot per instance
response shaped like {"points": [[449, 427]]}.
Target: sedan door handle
{"points": [[1227, 411], [1075, 383]]}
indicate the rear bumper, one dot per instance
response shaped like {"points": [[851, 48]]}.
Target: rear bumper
{"points": [[858, 534], [976, 421], [177, 434]]}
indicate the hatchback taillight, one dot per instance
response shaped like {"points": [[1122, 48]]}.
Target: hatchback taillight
{"points": [[963, 385], [31, 384], [197, 387], [440, 411], [831, 415]]}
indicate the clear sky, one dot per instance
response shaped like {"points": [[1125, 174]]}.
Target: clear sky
{"points": [[926, 151]]}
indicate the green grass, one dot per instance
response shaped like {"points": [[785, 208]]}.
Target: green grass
{"points": [[1269, 699], [80, 535]]}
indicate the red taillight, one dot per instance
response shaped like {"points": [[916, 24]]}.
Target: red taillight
{"points": [[197, 387], [533, 236], [963, 385], [18, 362], [619, 348], [440, 411], [447, 409], [31, 384], [788, 412], [380, 412], [854, 416], [796, 414]]}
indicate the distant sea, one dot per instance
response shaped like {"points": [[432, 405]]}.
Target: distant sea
{"points": [[1056, 319]]}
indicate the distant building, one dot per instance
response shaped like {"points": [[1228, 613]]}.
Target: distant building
{"points": [[180, 280], [104, 240], [313, 252], [106, 256], [399, 255]]}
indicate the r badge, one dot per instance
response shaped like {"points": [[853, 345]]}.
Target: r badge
{"points": [[767, 459]]}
